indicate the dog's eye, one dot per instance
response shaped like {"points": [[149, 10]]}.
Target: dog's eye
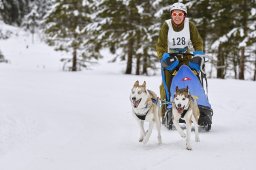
{"points": [[183, 98], [176, 99], [139, 92]]}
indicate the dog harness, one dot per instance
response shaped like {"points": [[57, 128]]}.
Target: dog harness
{"points": [[143, 117], [183, 113], [186, 110]]}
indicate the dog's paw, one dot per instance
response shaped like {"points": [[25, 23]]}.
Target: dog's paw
{"points": [[188, 147], [141, 138]]}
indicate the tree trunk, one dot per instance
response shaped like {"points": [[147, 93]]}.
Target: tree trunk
{"points": [[234, 59], [138, 65], [74, 61], [203, 34], [129, 59], [241, 64], [244, 24], [220, 64], [254, 78], [145, 62], [235, 72]]}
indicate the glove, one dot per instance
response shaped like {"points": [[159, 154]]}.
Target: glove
{"points": [[169, 62], [165, 56]]}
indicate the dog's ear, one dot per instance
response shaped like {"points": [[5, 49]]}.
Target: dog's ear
{"points": [[144, 84], [136, 84]]}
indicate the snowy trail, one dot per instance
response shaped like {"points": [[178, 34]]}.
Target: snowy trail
{"points": [[56, 120], [52, 120]]}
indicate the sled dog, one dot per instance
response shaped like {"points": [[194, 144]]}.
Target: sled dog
{"points": [[145, 107], [184, 106]]}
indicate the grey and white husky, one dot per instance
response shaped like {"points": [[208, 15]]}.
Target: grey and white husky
{"points": [[145, 107], [184, 106]]}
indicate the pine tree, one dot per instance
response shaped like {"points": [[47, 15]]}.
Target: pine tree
{"points": [[37, 10], [13, 11], [1, 56], [127, 26], [31, 22], [92, 46], [231, 26], [147, 34], [111, 28], [201, 13], [42, 7], [248, 37], [65, 28]]}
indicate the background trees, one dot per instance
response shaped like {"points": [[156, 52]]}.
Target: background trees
{"points": [[130, 29], [65, 29], [13, 11]]}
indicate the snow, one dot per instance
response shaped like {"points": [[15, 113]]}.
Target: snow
{"points": [[76, 12], [225, 38], [243, 43], [6, 31], [50, 119], [253, 11], [1, 5], [140, 9], [161, 11], [156, 3]]}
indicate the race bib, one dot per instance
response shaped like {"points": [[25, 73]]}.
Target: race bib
{"points": [[179, 39]]}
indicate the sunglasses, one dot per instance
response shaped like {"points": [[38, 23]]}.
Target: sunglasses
{"points": [[180, 14]]}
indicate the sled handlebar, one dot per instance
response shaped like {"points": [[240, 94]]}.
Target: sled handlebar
{"points": [[205, 57], [183, 54]]}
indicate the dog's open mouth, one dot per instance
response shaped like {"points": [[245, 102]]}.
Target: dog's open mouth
{"points": [[136, 103], [180, 109]]}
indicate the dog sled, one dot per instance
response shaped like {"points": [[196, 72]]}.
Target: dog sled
{"points": [[191, 75]]}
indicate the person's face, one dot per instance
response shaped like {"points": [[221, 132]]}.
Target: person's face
{"points": [[177, 16]]}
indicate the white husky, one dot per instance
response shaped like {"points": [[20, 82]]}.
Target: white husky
{"points": [[186, 108], [145, 108]]}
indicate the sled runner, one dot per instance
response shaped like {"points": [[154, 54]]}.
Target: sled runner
{"points": [[191, 75]]}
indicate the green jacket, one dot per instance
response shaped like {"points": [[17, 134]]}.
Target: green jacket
{"points": [[162, 42]]}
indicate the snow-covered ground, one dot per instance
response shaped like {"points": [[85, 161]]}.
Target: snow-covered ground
{"points": [[55, 120]]}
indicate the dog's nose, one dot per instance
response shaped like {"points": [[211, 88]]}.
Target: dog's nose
{"points": [[134, 98], [179, 105]]}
